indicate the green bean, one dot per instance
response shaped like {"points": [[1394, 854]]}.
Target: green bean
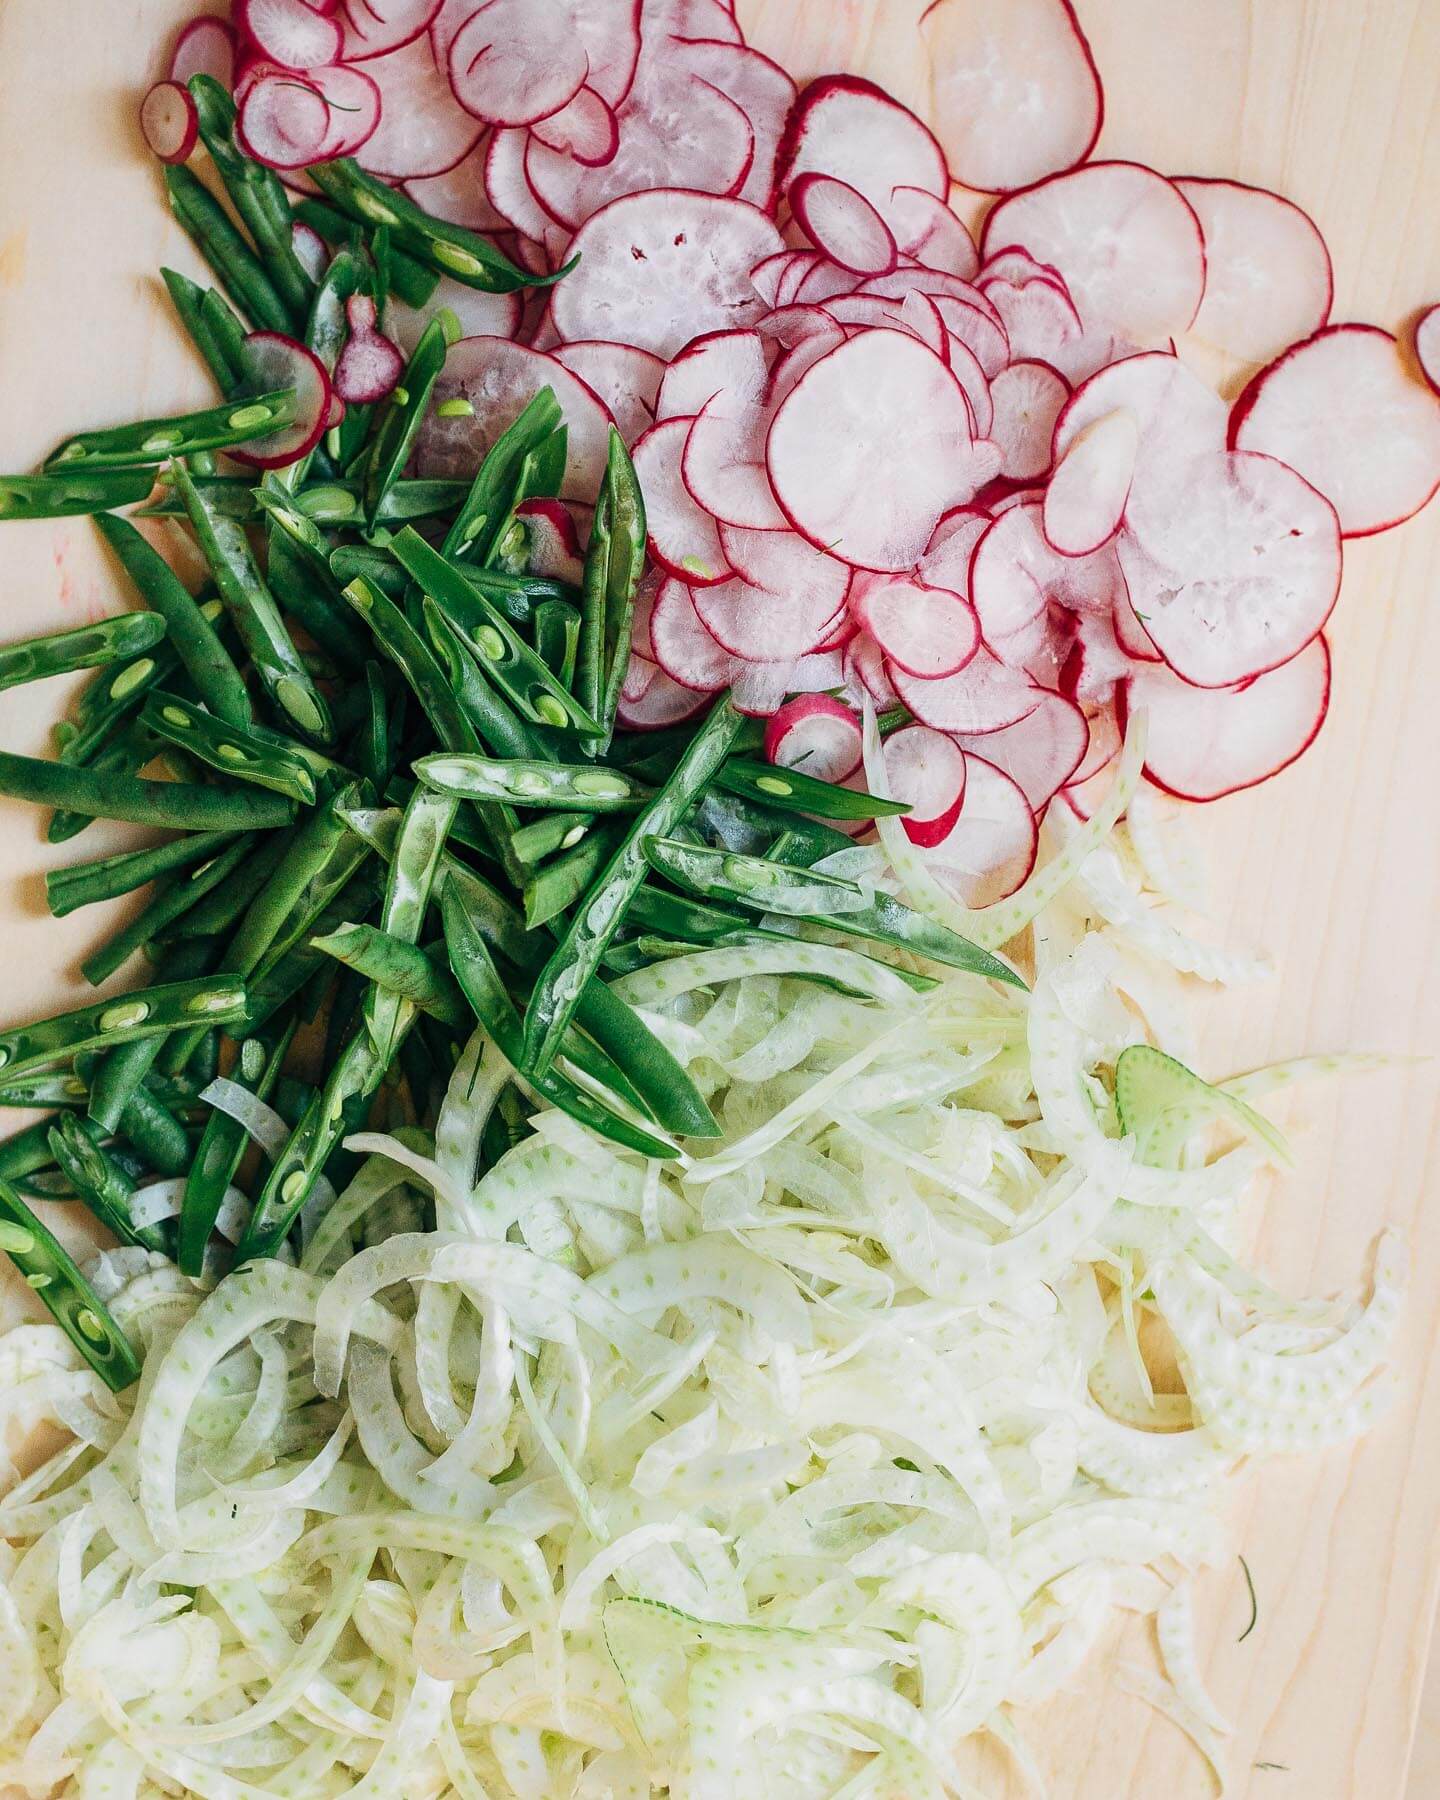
{"points": [[49, 1087], [614, 563], [24, 1152], [503, 654], [401, 968], [156, 1134], [533, 783], [416, 864], [100, 1183], [555, 887], [278, 979], [754, 829], [326, 502], [801, 892], [77, 1309], [466, 255], [148, 441], [64, 496], [239, 270], [108, 696], [247, 753], [790, 789], [557, 638], [404, 646], [495, 721], [86, 647], [222, 1145], [548, 835], [170, 805], [401, 418], [313, 600], [410, 280], [228, 330], [257, 194], [660, 1081], [190, 633], [215, 347], [174, 897], [221, 908], [116, 1076], [253, 610], [493, 496], [319, 860], [375, 567], [597, 919], [219, 1001], [123, 752]]}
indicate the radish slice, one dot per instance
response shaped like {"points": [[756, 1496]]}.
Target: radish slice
{"points": [[1042, 752], [759, 688], [626, 379], [684, 648], [458, 194], [1427, 346], [1176, 416], [1343, 410], [926, 769], [275, 361], [1241, 566], [851, 129], [872, 445], [925, 631], [500, 379], [767, 275], [1027, 398], [311, 251], [290, 33], [787, 372], [659, 268], [1204, 743], [422, 130], [926, 229], [610, 33], [1015, 88], [724, 463], [684, 539], [815, 734], [1086, 497], [823, 280], [370, 365], [554, 542], [785, 564], [373, 27], [1040, 320], [991, 848], [839, 220], [865, 665], [723, 362], [650, 700], [206, 46], [515, 61], [480, 314], [585, 128], [507, 188], [761, 89], [984, 696], [765, 625], [1131, 636], [169, 121], [1009, 573], [1126, 241], [288, 121], [947, 558], [1268, 278]]}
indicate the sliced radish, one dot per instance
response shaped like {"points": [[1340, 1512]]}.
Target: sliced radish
{"points": [[373, 27], [480, 314], [926, 229], [650, 700], [991, 848], [423, 130], [871, 447], [1130, 633], [1086, 497], [516, 61], [968, 315], [925, 631], [926, 769], [288, 120], [1177, 417], [984, 696], [766, 624], [1040, 319], [1343, 410], [724, 463], [206, 46], [759, 87], [865, 671], [721, 362], [851, 129], [555, 550], [1042, 752], [817, 735], [370, 365], [311, 251], [801, 262], [768, 275], [1126, 241], [659, 268], [507, 187], [585, 128], [1241, 566], [948, 555], [290, 33], [1015, 88], [169, 121], [499, 379], [793, 364], [275, 361], [684, 539], [458, 194], [683, 647], [823, 280], [1268, 279], [1427, 346], [626, 379], [1204, 743], [610, 33], [1009, 574], [784, 563], [1027, 399], [839, 220]]}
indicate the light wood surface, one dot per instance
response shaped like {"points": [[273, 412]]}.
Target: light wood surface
{"points": [[1336, 866]]}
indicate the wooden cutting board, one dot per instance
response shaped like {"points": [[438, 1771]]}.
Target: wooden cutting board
{"points": [[1336, 866]]}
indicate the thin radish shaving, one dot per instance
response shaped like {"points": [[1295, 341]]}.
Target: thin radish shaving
{"points": [[1026, 399], [927, 770], [206, 46], [925, 631], [817, 735], [1085, 499], [684, 538], [1268, 279], [853, 130], [169, 121], [290, 32], [990, 849], [840, 221], [516, 61], [272, 361]]}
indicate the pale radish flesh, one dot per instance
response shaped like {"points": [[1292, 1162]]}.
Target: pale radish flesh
{"points": [[370, 365], [626, 379], [926, 631], [515, 61], [984, 696], [554, 542], [724, 463], [684, 649], [458, 194], [373, 27], [506, 186], [1026, 398], [169, 121], [423, 129], [1268, 279], [785, 563], [1427, 346], [839, 220], [206, 46], [684, 538], [722, 362], [1042, 752], [851, 129], [762, 90], [765, 624], [990, 849], [1343, 409], [275, 361], [926, 769], [815, 734], [311, 251], [290, 32], [1176, 415], [1086, 495], [585, 128], [926, 229], [650, 700], [480, 314]]}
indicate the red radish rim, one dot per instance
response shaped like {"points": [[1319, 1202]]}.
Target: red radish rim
{"points": [[170, 93], [305, 437]]}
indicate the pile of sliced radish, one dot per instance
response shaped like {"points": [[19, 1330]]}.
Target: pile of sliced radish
{"points": [[881, 461]]}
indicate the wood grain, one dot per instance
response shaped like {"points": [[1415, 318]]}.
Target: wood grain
{"points": [[1336, 866]]}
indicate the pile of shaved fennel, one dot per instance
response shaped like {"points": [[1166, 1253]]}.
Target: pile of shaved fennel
{"points": [[775, 1472]]}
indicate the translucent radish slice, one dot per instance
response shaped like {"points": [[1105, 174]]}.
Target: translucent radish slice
{"points": [[1041, 753], [1009, 572], [1027, 399], [768, 275], [1204, 743], [916, 314], [965, 367], [284, 120], [206, 46], [480, 314], [1427, 346], [516, 61], [555, 550], [724, 463], [610, 33], [693, 19], [984, 696], [790, 326], [507, 187], [585, 128], [1343, 409], [684, 539], [1014, 87], [871, 447], [1040, 319], [991, 848], [373, 27], [724, 362], [626, 379], [761, 624], [311, 251], [865, 665], [290, 33], [817, 735], [422, 129], [948, 556], [660, 268], [499, 379], [851, 129], [823, 280], [458, 194], [1176, 415], [650, 700], [926, 229], [169, 121], [925, 631], [759, 87], [839, 220], [275, 361], [793, 279], [926, 769], [1241, 570], [1130, 634], [640, 640], [369, 366], [784, 563], [1085, 500], [793, 364], [1126, 241], [684, 649], [1268, 278]]}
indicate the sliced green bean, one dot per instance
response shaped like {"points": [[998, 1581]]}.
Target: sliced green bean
{"points": [[155, 1133], [496, 722], [221, 909], [112, 695], [409, 652], [219, 1001], [494, 494], [557, 639], [175, 896], [117, 1075], [215, 347], [236, 266], [170, 805], [314, 601], [533, 783], [242, 752], [124, 635], [790, 789], [153, 441], [280, 978], [419, 850], [614, 563], [48, 1087], [65, 496], [550, 835], [410, 280], [401, 968], [77, 1309], [401, 418], [222, 1145], [100, 1183], [558, 884]]}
